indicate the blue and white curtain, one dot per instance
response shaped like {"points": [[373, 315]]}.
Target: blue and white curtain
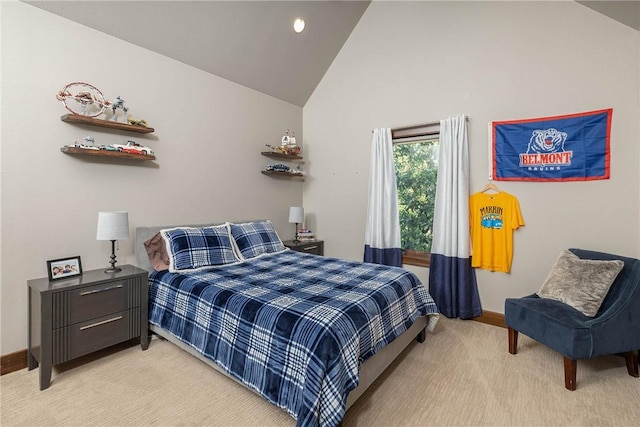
{"points": [[382, 237], [452, 281]]}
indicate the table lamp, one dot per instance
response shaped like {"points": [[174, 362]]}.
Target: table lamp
{"points": [[296, 216], [113, 226]]}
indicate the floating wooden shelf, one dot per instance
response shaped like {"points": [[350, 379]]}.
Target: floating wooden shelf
{"points": [[287, 174], [91, 121], [105, 153], [280, 155]]}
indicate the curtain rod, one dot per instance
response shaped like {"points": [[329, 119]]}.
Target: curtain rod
{"points": [[424, 125], [406, 128]]}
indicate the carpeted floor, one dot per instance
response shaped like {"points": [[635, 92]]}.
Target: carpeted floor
{"points": [[462, 375]]}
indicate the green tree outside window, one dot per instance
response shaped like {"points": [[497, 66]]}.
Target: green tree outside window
{"points": [[416, 174]]}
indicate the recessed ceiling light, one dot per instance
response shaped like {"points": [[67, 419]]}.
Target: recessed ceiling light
{"points": [[298, 25]]}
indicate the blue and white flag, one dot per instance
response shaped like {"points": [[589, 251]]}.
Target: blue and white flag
{"points": [[573, 147]]}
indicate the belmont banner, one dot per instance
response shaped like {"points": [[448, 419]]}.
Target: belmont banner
{"points": [[573, 147]]}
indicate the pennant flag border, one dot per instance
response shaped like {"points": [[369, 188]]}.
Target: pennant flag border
{"points": [[495, 160]]}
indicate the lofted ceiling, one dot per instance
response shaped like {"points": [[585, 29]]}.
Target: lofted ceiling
{"points": [[248, 42], [626, 11], [251, 43]]}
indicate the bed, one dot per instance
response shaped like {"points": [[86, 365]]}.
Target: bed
{"points": [[307, 333]]}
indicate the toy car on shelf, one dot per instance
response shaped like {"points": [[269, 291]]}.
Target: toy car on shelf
{"points": [[88, 143], [279, 168], [283, 168], [133, 147], [108, 148]]}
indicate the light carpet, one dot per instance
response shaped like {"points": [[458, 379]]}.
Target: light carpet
{"points": [[462, 375]]}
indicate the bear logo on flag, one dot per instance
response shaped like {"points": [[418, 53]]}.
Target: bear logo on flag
{"points": [[546, 148]]}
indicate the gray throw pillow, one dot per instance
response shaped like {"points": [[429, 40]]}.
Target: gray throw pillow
{"points": [[581, 283]]}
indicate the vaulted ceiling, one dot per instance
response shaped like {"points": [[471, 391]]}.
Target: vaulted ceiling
{"points": [[627, 11], [250, 42]]}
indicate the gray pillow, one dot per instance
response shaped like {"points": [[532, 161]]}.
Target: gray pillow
{"points": [[581, 283]]}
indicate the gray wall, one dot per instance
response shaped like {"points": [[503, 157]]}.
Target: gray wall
{"points": [[209, 134], [405, 63], [415, 62]]}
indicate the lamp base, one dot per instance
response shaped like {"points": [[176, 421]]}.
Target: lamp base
{"points": [[295, 239], [113, 268]]}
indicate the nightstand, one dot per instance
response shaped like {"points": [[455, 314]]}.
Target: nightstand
{"points": [[316, 247], [73, 317]]}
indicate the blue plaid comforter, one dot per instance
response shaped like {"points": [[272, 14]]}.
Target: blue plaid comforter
{"points": [[293, 327]]}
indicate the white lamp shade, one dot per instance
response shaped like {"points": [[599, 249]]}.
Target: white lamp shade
{"points": [[113, 225], [296, 214]]}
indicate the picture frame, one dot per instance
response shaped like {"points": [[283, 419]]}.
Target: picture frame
{"points": [[64, 268]]}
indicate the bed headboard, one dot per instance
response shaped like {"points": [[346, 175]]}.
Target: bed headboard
{"points": [[145, 233]]}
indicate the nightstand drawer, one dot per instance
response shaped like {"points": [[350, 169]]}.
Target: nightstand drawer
{"points": [[316, 247], [96, 301], [95, 334]]}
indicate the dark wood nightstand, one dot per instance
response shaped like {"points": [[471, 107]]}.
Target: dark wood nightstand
{"points": [[77, 316], [316, 247]]}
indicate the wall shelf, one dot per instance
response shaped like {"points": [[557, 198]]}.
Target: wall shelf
{"points": [[285, 174], [280, 155], [84, 120], [285, 157], [105, 153]]}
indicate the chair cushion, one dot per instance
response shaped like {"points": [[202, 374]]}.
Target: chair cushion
{"points": [[581, 283], [551, 322]]}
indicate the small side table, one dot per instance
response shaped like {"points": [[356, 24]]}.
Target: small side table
{"points": [[77, 316], [316, 247]]}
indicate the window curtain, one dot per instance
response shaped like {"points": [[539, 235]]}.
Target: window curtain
{"points": [[382, 236], [452, 281]]}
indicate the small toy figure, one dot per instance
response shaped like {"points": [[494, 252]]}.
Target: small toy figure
{"points": [[116, 105], [137, 122], [88, 143]]}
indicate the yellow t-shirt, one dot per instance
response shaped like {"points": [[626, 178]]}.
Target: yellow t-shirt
{"points": [[493, 219]]}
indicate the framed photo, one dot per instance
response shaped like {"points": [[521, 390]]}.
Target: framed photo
{"points": [[64, 268]]}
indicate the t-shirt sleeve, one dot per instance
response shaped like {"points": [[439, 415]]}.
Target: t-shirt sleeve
{"points": [[516, 214]]}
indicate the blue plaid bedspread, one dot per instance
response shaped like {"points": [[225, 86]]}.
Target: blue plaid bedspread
{"points": [[293, 327]]}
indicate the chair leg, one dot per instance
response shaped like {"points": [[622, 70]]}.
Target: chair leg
{"points": [[513, 341], [570, 368], [631, 357]]}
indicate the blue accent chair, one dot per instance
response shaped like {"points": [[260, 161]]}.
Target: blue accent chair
{"points": [[615, 329]]}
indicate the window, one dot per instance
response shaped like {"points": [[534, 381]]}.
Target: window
{"points": [[416, 161]]}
